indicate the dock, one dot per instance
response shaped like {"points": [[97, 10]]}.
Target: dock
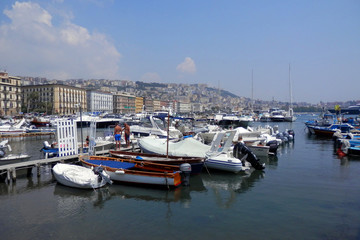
{"points": [[8, 172]]}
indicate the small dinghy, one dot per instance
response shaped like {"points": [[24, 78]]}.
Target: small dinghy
{"points": [[80, 177]]}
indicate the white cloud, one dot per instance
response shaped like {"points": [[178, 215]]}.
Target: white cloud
{"points": [[150, 77], [187, 66], [34, 46]]}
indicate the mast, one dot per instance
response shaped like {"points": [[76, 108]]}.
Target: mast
{"points": [[290, 88], [252, 91]]}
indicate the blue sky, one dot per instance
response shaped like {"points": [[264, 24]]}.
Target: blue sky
{"points": [[219, 43]]}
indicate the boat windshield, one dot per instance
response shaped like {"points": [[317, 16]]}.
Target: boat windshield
{"points": [[160, 123]]}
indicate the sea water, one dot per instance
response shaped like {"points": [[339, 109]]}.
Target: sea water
{"points": [[306, 192]]}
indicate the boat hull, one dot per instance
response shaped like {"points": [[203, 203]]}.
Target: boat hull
{"points": [[144, 173], [195, 162]]}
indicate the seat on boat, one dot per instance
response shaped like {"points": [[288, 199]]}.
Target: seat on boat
{"points": [[112, 164]]}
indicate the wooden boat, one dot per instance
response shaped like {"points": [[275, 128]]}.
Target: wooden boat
{"points": [[136, 172], [80, 177], [196, 163]]}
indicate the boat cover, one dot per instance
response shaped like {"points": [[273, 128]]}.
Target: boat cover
{"points": [[112, 164], [188, 147]]}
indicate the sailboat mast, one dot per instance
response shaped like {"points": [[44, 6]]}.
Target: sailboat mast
{"points": [[290, 88], [252, 90]]}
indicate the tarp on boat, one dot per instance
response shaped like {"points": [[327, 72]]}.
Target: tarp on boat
{"points": [[188, 147]]}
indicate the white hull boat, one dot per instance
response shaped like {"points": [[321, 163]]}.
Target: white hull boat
{"points": [[80, 177], [10, 158], [224, 162]]}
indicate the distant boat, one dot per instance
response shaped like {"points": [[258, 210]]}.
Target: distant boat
{"points": [[351, 110]]}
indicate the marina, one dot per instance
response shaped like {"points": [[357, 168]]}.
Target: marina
{"points": [[305, 192]]}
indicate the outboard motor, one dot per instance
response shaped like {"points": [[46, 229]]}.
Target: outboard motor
{"points": [[46, 145], [291, 133], [99, 171], [185, 169], [251, 158], [273, 146]]}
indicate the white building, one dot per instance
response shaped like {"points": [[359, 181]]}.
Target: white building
{"points": [[99, 101]]}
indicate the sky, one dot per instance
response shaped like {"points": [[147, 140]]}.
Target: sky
{"points": [[243, 46]]}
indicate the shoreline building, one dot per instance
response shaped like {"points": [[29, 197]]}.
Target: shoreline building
{"points": [[54, 99], [99, 102], [124, 103], [10, 95]]}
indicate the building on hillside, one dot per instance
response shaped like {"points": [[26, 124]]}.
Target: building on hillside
{"points": [[197, 107], [139, 104], [99, 102], [149, 105], [156, 104], [54, 99], [182, 107], [124, 103], [10, 95]]}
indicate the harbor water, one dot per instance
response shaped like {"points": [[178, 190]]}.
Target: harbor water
{"points": [[306, 192]]}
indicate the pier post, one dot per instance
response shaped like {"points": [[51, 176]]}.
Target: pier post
{"points": [[8, 171], [38, 169], [13, 174], [29, 172]]}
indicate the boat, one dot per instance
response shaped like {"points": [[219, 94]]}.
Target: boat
{"points": [[40, 122], [328, 131], [136, 172], [351, 110], [154, 125], [101, 145], [187, 147], [80, 177], [13, 129], [217, 156], [221, 155], [277, 116], [195, 162], [10, 158]]}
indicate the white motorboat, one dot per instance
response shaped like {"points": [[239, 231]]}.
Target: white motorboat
{"points": [[10, 158], [13, 129], [80, 177], [152, 125], [218, 155]]}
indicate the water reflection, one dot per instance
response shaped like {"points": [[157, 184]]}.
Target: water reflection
{"points": [[72, 200], [226, 186]]}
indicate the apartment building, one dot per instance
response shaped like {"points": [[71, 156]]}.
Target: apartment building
{"points": [[124, 103], [99, 101], [54, 99], [10, 95]]}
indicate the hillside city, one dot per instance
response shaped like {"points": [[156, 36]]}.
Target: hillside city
{"points": [[210, 98], [201, 97]]}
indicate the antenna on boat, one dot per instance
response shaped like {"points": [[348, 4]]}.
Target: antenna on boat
{"points": [[167, 138]]}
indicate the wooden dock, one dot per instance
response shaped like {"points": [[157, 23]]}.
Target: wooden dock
{"points": [[8, 171], [24, 135]]}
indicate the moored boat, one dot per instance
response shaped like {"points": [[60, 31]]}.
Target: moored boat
{"points": [[195, 162], [10, 158], [136, 172], [80, 177]]}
